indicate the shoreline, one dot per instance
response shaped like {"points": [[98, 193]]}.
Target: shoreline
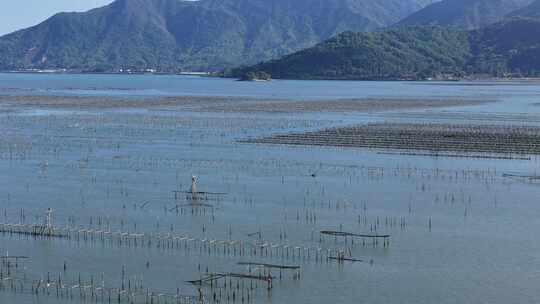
{"points": [[468, 79]]}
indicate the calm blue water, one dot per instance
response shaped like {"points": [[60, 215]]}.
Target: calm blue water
{"points": [[194, 85], [100, 164]]}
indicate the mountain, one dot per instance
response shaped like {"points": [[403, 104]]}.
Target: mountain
{"points": [[531, 11], [511, 46], [415, 52], [469, 14], [390, 54], [192, 35]]}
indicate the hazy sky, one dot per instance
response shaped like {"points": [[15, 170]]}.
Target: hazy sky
{"points": [[18, 14]]}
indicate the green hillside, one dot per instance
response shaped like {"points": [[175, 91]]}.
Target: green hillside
{"points": [[415, 52]]}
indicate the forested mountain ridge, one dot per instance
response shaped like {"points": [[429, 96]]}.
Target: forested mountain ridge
{"points": [[416, 52], [508, 47], [531, 11], [192, 35], [468, 14]]}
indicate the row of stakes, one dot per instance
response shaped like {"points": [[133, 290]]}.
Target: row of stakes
{"points": [[169, 241], [90, 292], [221, 288], [226, 290]]}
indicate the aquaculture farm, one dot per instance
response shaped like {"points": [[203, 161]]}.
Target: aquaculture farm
{"points": [[169, 189]]}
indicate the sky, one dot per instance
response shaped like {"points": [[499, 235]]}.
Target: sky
{"points": [[19, 14]]}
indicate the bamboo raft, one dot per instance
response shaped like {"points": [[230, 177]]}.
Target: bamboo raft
{"points": [[531, 178], [271, 266], [268, 267], [216, 276], [341, 259], [349, 234], [374, 237]]}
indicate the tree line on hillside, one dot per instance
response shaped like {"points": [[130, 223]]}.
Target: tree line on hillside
{"points": [[507, 49]]}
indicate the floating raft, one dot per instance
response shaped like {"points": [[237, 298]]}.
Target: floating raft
{"points": [[345, 259], [254, 234], [529, 177], [374, 237], [270, 265], [349, 234], [217, 276], [198, 195]]}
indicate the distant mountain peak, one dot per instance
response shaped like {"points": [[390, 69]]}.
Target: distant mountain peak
{"points": [[193, 35]]}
